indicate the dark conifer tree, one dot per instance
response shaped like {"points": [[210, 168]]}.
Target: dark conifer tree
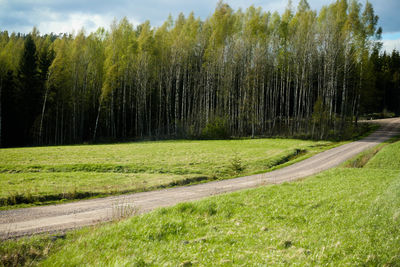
{"points": [[30, 93], [11, 126]]}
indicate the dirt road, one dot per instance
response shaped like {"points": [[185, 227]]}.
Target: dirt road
{"points": [[20, 222]]}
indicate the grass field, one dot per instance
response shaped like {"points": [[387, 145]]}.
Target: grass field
{"points": [[341, 217], [44, 174]]}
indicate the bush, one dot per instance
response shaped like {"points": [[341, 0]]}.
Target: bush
{"points": [[216, 128], [236, 164], [381, 115]]}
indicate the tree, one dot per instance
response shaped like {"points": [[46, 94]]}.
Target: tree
{"points": [[29, 95]]}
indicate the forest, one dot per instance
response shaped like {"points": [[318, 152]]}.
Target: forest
{"points": [[302, 73]]}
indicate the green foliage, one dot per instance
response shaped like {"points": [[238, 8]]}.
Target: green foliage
{"points": [[216, 128], [385, 86], [28, 70], [236, 164], [320, 116], [30, 91]]}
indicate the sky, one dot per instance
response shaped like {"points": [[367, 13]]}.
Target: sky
{"points": [[59, 16]]}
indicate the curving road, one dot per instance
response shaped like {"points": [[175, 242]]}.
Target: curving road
{"points": [[28, 221]]}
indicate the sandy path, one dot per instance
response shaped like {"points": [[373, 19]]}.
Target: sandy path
{"points": [[20, 222]]}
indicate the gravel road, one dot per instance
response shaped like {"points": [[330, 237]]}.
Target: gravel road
{"points": [[54, 218]]}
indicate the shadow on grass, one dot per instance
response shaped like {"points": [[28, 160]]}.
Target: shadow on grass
{"points": [[17, 199]]}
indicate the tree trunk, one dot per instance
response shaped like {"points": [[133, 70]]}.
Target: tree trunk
{"points": [[42, 116], [97, 119]]}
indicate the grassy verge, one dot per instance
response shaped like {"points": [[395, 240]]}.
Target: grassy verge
{"points": [[364, 157], [42, 175], [341, 217], [389, 158], [45, 188]]}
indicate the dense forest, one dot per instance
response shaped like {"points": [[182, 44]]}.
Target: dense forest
{"points": [[237, 73]]}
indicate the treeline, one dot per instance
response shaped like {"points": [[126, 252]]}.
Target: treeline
{"points": [[385, 97], [237, 73]]}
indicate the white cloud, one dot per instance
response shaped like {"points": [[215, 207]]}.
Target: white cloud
{"points": [[265, 5], [389, 45], [73, 22]]}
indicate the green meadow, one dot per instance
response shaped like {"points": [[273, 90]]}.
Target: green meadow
{"points": [[341, 217], [42, 175]]}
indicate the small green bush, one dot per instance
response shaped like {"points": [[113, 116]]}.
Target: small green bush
{"points": [[236, 164], [216, 128]]}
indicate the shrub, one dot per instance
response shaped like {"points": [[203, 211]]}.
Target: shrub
{"points": [[216, 128], [236, 164]]}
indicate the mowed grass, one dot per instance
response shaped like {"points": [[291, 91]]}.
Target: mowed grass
{"points": [[160, 156], [341, 217], [42, 174]]}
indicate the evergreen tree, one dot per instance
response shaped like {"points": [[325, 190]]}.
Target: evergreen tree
{"points": [[30, 93]]}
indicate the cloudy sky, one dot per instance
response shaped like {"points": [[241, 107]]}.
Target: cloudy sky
{"points": [[71, 15]]}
